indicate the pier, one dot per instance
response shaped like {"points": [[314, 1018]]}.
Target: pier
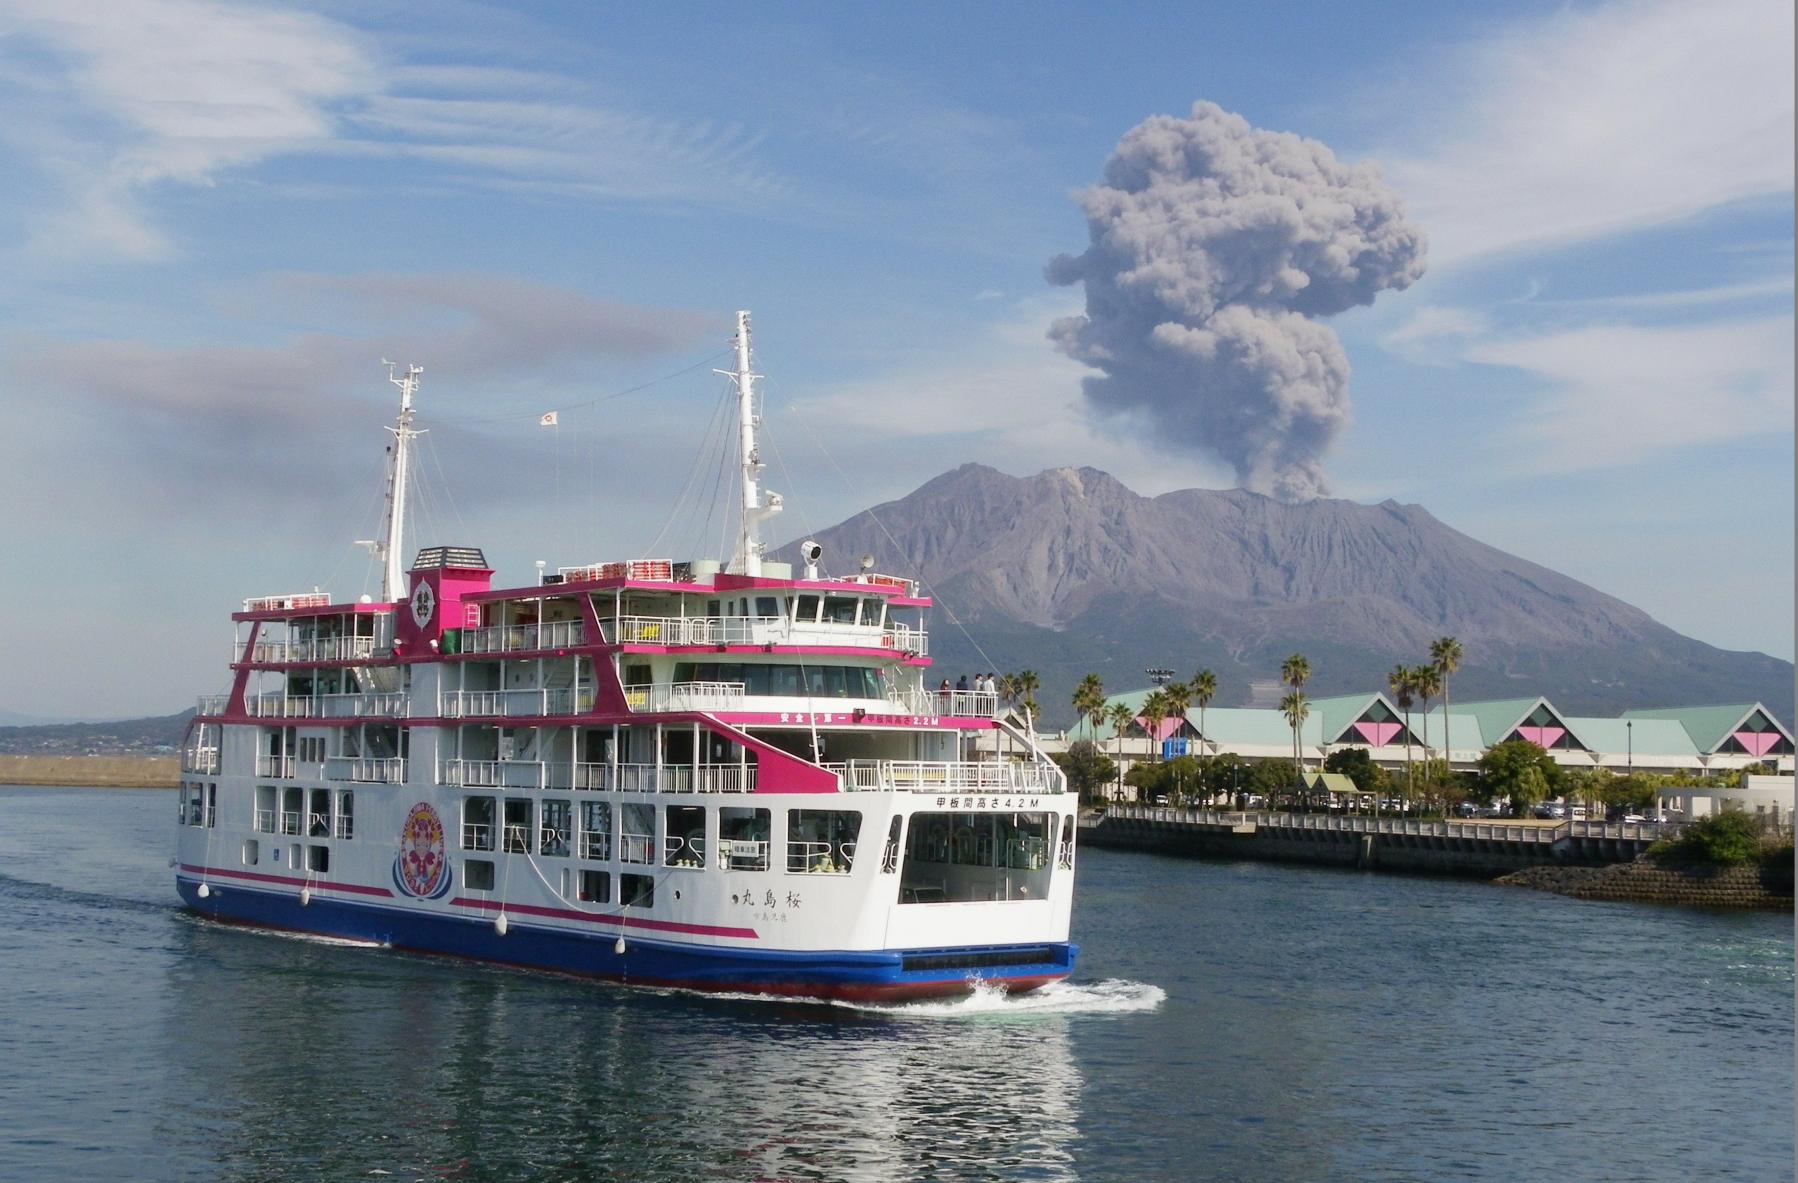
{"points": [[1483, 849]]}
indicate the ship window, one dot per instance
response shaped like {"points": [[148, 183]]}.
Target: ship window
{"points": [[252, 851], [767, 606], [637, 891], [477, 874], [712, 608], [889, 855], [318, 819], [822, 840], [212, 805], [517, 836], [637, 675], [553, 835], [477, 823], [293, 808], [596, 887], [743, 838], [265, 809], [805, 609], [637, 833], [685, 844], [346, 815], [840, 609], [318, 858], [596, 829]]}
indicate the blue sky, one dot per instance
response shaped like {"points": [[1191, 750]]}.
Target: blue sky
{"points": [[216, 220]]}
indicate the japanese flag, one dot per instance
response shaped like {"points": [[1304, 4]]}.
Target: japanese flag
{"points": [[548, 420]]}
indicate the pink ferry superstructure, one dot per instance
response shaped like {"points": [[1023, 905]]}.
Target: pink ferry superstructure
{"points": [[716, 775]]}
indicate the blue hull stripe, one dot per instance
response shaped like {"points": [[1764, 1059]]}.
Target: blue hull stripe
{"points": [[845, 974]]}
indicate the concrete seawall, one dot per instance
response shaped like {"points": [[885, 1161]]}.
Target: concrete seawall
{"points": [[1482, 850]]}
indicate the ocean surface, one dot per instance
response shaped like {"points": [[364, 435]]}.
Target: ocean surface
{"points": [[1230, 1021]]}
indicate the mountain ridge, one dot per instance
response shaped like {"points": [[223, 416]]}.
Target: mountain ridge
{"points": [[1069, 571]]}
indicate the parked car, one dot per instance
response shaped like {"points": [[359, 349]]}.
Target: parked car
{"points": [[1549, 811], [1467, 809]]}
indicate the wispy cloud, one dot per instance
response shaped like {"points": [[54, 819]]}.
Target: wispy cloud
{"points": [[131, 97], [1626, 394], [265, 424], [1596, 121], [1000, 395]]}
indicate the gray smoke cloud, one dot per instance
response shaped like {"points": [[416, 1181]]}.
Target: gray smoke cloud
{"points": [[1214, 247]]}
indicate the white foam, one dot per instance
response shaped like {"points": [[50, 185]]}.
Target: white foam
{"points": [[1113, 996]]}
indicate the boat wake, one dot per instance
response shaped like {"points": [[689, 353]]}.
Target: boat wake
{"points": [[1112, 996]]}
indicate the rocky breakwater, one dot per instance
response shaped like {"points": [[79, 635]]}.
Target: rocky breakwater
{"points": [[1721, 862]]}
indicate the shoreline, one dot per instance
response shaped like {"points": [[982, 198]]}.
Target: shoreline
{"points": [[90, 772]]}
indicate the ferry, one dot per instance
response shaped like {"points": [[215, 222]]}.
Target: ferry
{"points": [[715, 774]]}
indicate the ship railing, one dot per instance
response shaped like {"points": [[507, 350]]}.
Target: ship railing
{"points": [[366, 770], [276, 766], [515, 838], [326, 706], [290, 821], [514, 638], [201, 760], [636, 848], [343, 826], [684, 696], [650, 570], [761, 630], [666, 778], [742, 854], [552, 842], [263, 821], [464, 704], [820, 858], [494, 774], [683, 852], [477, 836], [959, 704], [212, 704], [318, 824], [287, 603], [352, 648], [596, 844], [921, 776]]}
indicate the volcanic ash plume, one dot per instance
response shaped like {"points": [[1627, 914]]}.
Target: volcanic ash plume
{"points": [[1214, 245]]}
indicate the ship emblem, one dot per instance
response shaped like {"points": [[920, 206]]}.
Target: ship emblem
{"points": [[421, 868]]}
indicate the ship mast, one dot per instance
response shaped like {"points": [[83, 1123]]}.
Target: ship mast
{"points": [[758, 503], [391, 546]]}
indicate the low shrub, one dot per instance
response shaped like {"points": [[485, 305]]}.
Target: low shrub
{"points": [[1723, 840]]}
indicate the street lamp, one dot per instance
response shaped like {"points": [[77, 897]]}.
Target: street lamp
{"points": [[1160, 676], [1629, 745]]}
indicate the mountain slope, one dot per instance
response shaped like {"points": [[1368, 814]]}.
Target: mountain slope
{"points": [[1068, 572]]}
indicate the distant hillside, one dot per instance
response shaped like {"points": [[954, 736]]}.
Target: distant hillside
{"points": [[156, 735], [1069, 572]]}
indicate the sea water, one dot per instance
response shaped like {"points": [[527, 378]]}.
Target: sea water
{"points": [[1230, 1021]]}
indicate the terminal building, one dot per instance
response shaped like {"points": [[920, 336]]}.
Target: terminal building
{"points": [[1700, 740]]}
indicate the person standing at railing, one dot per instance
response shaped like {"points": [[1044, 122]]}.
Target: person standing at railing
{"points": [[961, 684]]}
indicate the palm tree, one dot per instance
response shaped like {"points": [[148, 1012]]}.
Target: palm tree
{"points": [[1204, 689], [1294, 707], [1400, 683], [1089, 701], [1445, 654], [1027, 684], [1154, 712], [1295, 671], [1428, 683], [1120, 717], [1179, 697]]}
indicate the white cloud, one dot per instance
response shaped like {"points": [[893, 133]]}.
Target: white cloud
{"points": [[1624, 394], [129, 96], [1588, 123], [1433, 329], [1003, 396]]}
